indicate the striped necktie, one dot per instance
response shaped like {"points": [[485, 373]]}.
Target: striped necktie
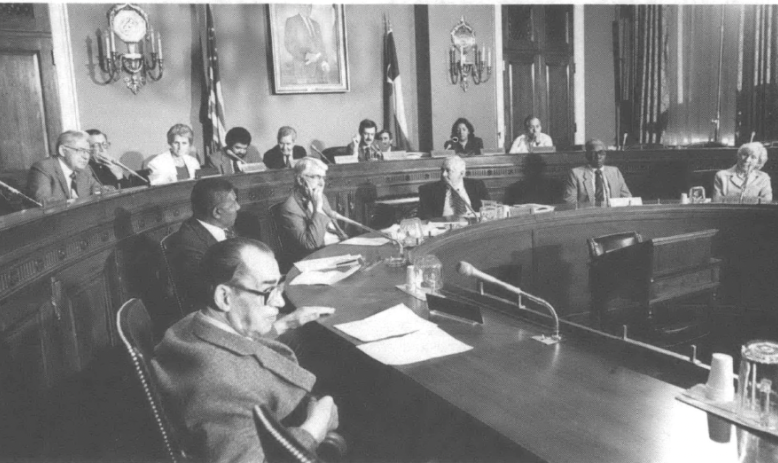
{"points": [[458, 203], [599, 187], [73, 190]]}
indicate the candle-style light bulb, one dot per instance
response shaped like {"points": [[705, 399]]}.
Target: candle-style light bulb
{"points": [[152, 38], [159, 45]]}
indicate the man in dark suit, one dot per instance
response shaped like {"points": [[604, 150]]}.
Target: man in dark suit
{"points": [[283, 155], [232, 158], [108, 174], [214, 210], [303, 40], [66, 175], [216, 364], [452, 195], [595, 183]]}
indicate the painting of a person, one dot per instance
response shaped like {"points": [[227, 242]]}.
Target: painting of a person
{"points": [[303, 40]]}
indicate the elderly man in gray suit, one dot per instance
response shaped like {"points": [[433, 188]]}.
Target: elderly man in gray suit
{"points": [[216, 364], [595, 183]]}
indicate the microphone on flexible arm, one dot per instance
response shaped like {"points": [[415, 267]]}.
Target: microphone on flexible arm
{"points": [[321, 155], [108, 160], [745, 183], [467, 269], [335, 216], [18, 193]]}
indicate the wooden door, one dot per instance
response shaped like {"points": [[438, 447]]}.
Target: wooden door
{"points": [[538, 54], [28, 89]]}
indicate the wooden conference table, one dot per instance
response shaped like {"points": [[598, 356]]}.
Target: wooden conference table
{"points": [[590, 398]]}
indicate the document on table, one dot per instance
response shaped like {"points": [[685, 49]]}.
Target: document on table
{"points": [[327, 262], [327, 277], [415, 347], [394, 321], [363, 241]]}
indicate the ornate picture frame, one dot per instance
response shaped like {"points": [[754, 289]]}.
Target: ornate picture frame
{"points": [[309, 48]]}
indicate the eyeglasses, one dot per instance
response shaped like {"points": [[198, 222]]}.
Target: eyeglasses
{"points": [[315, 177], [104, 145], [80, 150], [265, 294]]}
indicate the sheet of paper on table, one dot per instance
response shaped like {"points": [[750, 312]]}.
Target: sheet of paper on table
{"points": [[415, 347], [394, 321], [329, 277], [364, 241], [326, 262]]}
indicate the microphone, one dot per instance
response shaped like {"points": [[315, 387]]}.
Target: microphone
{"points": [[18, 193], [108, 160], [335, 216], [321, 155], [467, 269]]}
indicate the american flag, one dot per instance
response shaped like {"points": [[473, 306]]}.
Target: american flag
{"points": [[394, 107], [212, 106]]}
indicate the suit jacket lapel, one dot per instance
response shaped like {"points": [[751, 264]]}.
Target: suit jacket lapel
{"points": [[64, 184], [203, 233]]}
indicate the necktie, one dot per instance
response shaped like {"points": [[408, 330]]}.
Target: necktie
{"points": [[599, 187], [73, 191], [229, 233], [458, 204], [288, 161]]}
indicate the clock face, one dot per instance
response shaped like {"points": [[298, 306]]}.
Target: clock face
{"points": [[129, 25]]}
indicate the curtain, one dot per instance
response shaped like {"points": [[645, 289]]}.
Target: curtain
{"points": [[757, 96], [640, 59], [695, 41]]}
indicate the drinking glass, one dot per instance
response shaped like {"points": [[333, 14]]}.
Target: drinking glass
{"points": [[757, 383]]}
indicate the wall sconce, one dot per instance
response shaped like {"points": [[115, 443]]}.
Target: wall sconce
{"points": [[463, 44], [131, 24]]}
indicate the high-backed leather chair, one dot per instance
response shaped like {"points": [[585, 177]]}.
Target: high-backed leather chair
{"points": [[606, 243], [166, 245], [617, 279], [135, 330], [280, 446]]}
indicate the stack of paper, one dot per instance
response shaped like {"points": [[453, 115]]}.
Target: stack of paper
{"points": [[425, 341], [364, 241], [325, 263]]}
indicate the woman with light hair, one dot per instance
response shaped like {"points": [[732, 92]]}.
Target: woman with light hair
{"points": [[744, 179]]}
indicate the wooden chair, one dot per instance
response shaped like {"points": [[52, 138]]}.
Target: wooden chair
{"points": [[135, 330], [166, 245], [281, 447]]}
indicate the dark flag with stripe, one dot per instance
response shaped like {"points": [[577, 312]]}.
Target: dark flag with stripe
{"points": [[394, 107], [212, 103]]}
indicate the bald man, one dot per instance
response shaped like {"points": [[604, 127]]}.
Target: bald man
{"points": [[595, 183], [447, 197]]}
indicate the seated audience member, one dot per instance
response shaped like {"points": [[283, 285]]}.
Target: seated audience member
{"points": [[384, 141], [282, 155], [216, 364], [532, 138], [745, 179], [595, 183], [231, 159], [305, 223], [463, 139], [176, 163], [107, 173], [363, 145], [438, 200], [214, 210], [66, 175]]}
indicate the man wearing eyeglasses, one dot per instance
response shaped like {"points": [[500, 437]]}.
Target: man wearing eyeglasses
{"points": [[107, 172], [65, 176], [595, 183], [305, 218], [216, 364]]}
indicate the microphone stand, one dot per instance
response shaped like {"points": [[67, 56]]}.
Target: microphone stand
{"points": [[336, 216], [321, 155], [468, 270], [18, 193], [108, 160]]}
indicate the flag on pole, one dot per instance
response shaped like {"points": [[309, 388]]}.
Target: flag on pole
{"points": [[212, 104], [394, 107]]}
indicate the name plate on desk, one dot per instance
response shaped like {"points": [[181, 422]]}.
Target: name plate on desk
{"points": [[456, 310], [254, 167], [348, 159], [442, 153], [394, 155], [622, 202]]}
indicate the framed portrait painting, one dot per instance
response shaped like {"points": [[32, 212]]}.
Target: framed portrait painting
{"points": [[309, 48]]}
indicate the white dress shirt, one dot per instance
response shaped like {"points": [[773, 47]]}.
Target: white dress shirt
{"points": [[218, 233]]}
